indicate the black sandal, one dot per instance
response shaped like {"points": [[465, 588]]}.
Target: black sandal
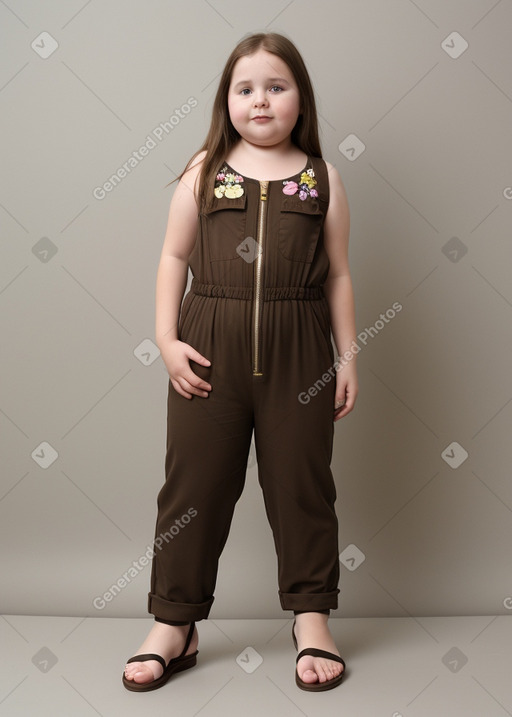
{"points": [[315, 652], [175, 664]]}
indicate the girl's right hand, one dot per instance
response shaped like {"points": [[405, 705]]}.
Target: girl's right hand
{"points": [[177, 356]]}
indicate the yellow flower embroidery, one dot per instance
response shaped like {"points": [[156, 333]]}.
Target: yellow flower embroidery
{"points": [[306, 178], [232, 192], [228, 184]]}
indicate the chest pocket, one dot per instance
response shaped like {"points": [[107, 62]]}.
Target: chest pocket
{"points": [[300, 223], [225, 227]]}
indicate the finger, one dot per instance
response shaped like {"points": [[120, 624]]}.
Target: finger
{"points": [[179, 390], [340, 397], [195, 381], [196, 356], [193, 384], [344, 410]]}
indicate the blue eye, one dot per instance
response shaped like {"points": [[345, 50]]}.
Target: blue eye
{"points": [[275, 89]]}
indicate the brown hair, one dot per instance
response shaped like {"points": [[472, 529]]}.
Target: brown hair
{"points": [[222, 136]]}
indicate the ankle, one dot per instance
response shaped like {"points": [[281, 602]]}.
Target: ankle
{"points": [[311, 618]]}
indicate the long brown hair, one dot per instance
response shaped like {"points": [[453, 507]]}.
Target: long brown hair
{"points": [[222, 136]]}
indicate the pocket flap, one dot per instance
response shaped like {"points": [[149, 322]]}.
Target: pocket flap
{"points": [[227, 203], [293, 203]]}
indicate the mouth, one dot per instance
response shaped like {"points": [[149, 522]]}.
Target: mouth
{"points": [[261, 117]]}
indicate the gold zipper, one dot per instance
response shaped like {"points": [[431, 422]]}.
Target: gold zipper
{"points": [[258, 271]]}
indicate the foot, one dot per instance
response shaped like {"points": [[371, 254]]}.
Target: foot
{"points": [[311, 630], [165, 640]]}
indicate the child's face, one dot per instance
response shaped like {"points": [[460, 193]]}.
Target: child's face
{"points": [[263, 85]]}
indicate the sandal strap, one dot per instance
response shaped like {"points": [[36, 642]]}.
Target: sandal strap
{"points": [[151, 656], [146, 657], [189, 638], [315, 652]]}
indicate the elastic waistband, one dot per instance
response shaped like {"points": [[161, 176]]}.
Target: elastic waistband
{"points": [[270, 293]]}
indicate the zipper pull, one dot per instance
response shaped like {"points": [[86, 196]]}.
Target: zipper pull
{"points": [[263, 190]]}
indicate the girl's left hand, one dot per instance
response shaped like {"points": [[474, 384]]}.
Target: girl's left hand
{"points": [[346, 390]]}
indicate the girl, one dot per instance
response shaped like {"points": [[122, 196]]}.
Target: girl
{"points": [[263, 222]]}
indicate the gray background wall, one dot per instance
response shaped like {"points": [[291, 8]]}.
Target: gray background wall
{"points": [[424, 530]]}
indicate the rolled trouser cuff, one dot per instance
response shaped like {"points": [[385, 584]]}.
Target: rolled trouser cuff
{"points": [[171, 622], [323, 612], [309, 602], [186, 612]]}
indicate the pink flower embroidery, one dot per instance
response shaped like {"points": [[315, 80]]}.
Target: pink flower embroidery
{"points": [[305, 185], [290, 187]]}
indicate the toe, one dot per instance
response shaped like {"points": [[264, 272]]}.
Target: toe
{"points": [[327, 673], [305, 670], [143, 675], [309, 676], [330, 670], [129, 671], [142, 672], [317, 670]]}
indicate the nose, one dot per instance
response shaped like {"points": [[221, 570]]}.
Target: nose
{"points": [[259, 98]]}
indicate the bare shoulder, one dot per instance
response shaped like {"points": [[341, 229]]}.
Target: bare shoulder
{"points": [[336, 187], [337, 220], [188, 184], [195, 164], [183, 213]]}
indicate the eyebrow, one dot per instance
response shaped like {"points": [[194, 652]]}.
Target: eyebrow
{"points": [[270, 79]]}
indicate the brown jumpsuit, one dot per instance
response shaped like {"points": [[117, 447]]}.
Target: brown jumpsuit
{"points": [[256, 309]]}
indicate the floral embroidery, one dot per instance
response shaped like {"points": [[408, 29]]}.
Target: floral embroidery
{"points": [[228, 184], [305, 187]]}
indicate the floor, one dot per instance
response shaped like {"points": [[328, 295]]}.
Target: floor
{"points": [[396, 667]]}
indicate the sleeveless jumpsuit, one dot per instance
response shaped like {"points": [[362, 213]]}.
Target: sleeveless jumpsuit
{"points": [[256, 309]]}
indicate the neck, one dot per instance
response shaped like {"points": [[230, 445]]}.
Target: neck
{"points": [[260, 152]]}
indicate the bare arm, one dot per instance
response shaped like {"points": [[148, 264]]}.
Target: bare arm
{"points": [[171, 282], [173, 268], [339, 292]]}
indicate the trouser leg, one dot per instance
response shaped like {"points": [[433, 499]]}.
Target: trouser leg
{"points": [[299, 494], [294, 442], [207, 449]]}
